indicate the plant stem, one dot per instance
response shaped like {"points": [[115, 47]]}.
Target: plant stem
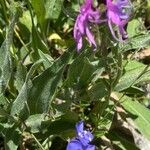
{"points": [[36, 140], [39, 144]]}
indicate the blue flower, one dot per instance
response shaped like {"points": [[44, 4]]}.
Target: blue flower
{"points": [[83, 139]]}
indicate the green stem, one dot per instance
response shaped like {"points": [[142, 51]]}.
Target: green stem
{"points": [[36, 140], [39, 144], [18, 36]]}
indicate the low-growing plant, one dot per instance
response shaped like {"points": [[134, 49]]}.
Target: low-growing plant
{"points": [[74, 74]]}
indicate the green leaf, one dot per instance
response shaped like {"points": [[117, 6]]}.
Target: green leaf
{"points": [[12, 138], [40, 122], [43, 90], [3, 113], [138, 42], [25, 20], [128, 79], [3, 10], [47, 59], [39, 8], [37, 43], [3, 106], [132, 64], [80, 71], [61, 126], [134, 72], [135, 91], [139, 113], [20, 76], [97, 91], [38, 38], [45, 86], [34, 122], [86, 72], [133, 28], [25, 27], [102, 115], [5, 57], [19, 106], [120, 141], [144, 78], [3, 102], [1, 127], [53, 8]]}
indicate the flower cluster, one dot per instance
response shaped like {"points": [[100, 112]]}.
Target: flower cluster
{"points": [[118, 13], [83, 139], [81, 28]]}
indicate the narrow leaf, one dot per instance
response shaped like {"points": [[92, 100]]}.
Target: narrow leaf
{"points": [[53, 8], [139, 113], [39, 8], [5, 56], [138, 42], [45, 86], [20, 107]]}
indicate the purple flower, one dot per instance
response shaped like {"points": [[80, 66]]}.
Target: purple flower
{"points": [[118, 13], [82, 25], [83, 139]]}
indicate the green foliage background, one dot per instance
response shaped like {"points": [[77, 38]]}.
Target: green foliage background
{"points": [[46, 87]]}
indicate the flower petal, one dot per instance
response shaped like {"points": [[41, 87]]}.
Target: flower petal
{"points": [[112, 31], [74, 145], [86, 137], [90, 36], [123, 32], [79, 44], [79, 127], [118, 14], [90, 147], [81, 23], [87, 15]]}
